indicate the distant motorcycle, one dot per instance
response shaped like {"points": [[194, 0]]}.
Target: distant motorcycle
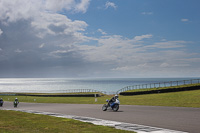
{"points": [[15, 103], [114, 106], [1, 103]]}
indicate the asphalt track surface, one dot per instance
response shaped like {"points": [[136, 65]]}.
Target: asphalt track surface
{"points": [[174, 118]]}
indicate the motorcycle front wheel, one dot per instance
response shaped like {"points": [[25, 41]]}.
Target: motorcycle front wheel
{"points": [[15, 104], [116, 107], [104, 108]]}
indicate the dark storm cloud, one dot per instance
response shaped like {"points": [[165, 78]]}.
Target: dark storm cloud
{"points": [[21, 54], [36, 41], [57, 29]]}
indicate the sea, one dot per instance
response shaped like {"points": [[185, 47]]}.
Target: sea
{"points": [[65, 85]]}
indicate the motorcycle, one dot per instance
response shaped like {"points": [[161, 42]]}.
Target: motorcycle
{"points": [[15, 103], [1, 103], [114, 106]]}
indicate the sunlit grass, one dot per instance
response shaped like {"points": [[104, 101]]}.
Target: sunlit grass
{"points": [[19, 122], [178, 99]]}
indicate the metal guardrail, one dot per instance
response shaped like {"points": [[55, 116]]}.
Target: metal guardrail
{"points": [[89, 90], [6, 94], [141, 86], [160, 84], [82, 91]]}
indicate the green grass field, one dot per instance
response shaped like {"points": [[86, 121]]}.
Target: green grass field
{"points": [[178, 99], [19, 122], [11, 121]]}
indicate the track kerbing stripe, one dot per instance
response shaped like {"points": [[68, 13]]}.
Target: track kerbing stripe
{"points": [[118, 125]]}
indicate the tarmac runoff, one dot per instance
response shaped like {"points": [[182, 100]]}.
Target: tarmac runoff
{"points": [[118, 125]]}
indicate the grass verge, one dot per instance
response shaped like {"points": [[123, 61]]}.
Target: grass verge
{"points": [[18, 122], [178, 99]]}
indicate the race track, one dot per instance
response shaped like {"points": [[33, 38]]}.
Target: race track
{"points": [[174, 118]]}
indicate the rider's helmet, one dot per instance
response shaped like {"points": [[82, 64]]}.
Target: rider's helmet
{"points": [[16, 99], [116, 96]]}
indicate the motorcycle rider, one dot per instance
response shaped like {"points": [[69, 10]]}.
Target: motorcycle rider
{"points": [[112, 103], [16, 101], [1, 102], [113, 99]]}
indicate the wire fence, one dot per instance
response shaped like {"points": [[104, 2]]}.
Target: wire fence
{"points": [[160, 84], [141, 86], [82, 91], [89, 90]]}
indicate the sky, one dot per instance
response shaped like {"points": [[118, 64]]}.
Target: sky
{"points": [[99, 38]]}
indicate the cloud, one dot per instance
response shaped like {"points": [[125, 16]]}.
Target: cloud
{"points": [[55, 24], [168, 44], [164, 65], [34, 30], [184, 20], [42, 45], [1, 32], [110, 4], [147, 13], [49, 44], [70, 5], [138, 38], [44, 17], [12, 11], [18, 51], [115, 49], [82, 6], [102, 32], [135, 57]]}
